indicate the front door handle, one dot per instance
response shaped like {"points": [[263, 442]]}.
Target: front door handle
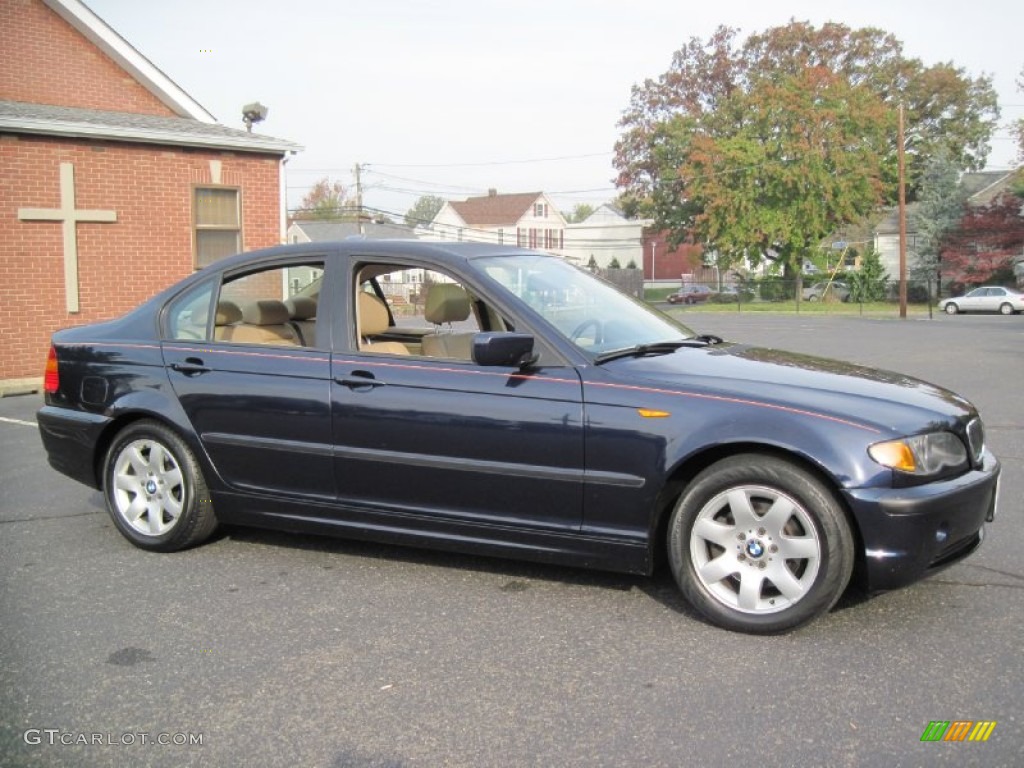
{"points": [[192, 366], [359, 380]]}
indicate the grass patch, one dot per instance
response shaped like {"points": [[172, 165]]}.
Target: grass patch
{"points": [[884, 308]]}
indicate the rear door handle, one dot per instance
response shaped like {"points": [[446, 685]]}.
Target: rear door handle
{"points": [[359, 380], [192, 366]]}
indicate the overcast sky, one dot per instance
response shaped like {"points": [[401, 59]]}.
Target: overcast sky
{"points": [[455, 96]]}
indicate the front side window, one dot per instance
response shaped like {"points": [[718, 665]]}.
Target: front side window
{"points": [[419, 312], [216, 212]]}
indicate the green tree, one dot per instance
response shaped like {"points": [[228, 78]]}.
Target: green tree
{"points": [[580, 212], [614, 263], [700, 96], [424, 211], [939, 208], [1018, 127], [774, 170], [325, 201], [869, 282]]}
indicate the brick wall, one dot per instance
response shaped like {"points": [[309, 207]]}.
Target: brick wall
{"points": [[122, 263], [669, 263], [44, 60]]}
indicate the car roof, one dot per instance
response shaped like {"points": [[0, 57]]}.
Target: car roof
{"points": [[439, 252]]}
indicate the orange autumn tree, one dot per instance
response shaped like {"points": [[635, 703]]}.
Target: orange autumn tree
{"points": [[763, 149]]}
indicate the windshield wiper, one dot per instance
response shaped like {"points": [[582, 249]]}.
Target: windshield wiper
{"points": [[657, 348]]}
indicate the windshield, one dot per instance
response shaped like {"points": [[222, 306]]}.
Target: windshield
{"points": [[588, 311]]}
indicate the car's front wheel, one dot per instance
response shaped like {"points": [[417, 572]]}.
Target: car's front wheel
{"points": [[952, 308], [155, 490], [757, 544]]}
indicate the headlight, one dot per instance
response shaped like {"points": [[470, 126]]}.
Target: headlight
{"points": [[927, 457]]}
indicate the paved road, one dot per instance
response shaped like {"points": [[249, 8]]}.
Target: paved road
{"points": [[292, 651]]}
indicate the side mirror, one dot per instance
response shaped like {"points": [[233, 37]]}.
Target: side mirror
{"points": [[514, 349]]}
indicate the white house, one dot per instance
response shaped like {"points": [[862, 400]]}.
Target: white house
{"points": [[527, 220], [606, 235], [980, 188]]}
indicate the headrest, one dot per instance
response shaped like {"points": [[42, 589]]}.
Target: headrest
{"points": [[446, 303], [265, 312], [227, 313], [373, 314], [301, 307]]}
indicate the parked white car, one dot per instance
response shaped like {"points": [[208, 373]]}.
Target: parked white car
{"points": [[989, 298]]}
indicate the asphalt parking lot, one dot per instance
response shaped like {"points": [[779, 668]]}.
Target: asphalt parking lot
{"points": [[274, 649]]}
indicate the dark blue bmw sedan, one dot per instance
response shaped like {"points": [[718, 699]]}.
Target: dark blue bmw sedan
{"points": [[502, 402]]}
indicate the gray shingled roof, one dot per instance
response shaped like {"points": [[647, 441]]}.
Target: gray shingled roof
{"points": [[323, 231], [48, 120]]}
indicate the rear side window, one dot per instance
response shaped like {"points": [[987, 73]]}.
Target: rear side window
{"points": [[276, 306]]}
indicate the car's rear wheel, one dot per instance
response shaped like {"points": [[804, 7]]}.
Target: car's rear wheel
{"points": [[1006, 309], [155, 490], [757, 544], [952, 308]]}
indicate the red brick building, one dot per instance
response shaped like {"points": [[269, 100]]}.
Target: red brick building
{"points": [[663, 262], [114, 182]]}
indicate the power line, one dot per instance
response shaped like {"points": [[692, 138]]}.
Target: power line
{"points": [[492, 162]]}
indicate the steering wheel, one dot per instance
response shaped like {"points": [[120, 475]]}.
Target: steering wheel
{"points": [[590, 321]]}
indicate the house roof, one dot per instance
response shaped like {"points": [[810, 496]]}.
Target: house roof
{"points": [[984, 187], [321, 231], [47, 120], [124, 54], [978, 182], [980, 188], [495, 210]]}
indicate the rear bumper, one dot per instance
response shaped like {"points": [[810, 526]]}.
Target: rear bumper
{"points": [[70, 438], [909, 533]]}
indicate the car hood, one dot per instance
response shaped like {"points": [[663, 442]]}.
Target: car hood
{"points": [[885, 400]]}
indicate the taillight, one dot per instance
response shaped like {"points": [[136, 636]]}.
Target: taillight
{"points": [[51, 379]]}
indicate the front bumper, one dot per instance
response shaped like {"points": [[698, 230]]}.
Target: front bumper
{"points": [[909, 533]]}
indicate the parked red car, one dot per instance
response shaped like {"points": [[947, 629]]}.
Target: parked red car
{"points": [[691, 294]]}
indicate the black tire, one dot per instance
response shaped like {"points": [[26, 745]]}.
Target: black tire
{"points": [[1006, 309], [812, 297], [155, 491], [951, 308], [787, 510]]}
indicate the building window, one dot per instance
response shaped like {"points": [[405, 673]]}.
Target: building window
{"points": [[216, 212], [460, 234], [540, 210], [501, 236]]}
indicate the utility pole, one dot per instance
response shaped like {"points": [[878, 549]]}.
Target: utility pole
{"points": [[359, 199], [903, 222]]}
